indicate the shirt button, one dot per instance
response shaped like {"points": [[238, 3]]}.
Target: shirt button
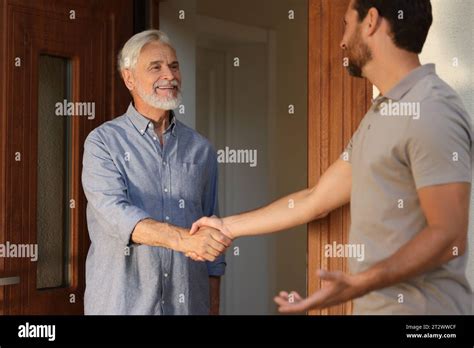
{"points": [[167, 217], [154, 138], [164, 163], [163, 301], [166, 275], [142, 131], [166, 190]]}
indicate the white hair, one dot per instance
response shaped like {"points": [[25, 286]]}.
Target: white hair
{"points": [[128, 56]]}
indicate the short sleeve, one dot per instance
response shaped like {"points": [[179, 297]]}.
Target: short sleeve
{"points": [[346, 155], [439, 144]]}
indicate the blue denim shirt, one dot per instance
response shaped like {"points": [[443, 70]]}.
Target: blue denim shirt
{"points": [[127, 177]]}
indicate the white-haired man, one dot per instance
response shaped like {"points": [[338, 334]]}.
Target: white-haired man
{"points": [[147, 177]]}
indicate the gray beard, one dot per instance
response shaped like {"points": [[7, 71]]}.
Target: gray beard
{"points": [[165, 103]]}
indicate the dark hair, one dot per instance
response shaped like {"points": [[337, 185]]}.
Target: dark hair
{"points": [[408, 33]]}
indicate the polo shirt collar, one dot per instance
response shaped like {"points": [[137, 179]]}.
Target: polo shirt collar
{"points": [[407, 83], [141, 123]]}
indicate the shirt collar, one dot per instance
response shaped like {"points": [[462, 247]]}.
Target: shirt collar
{"points": [[141, 123], [407, 83]]}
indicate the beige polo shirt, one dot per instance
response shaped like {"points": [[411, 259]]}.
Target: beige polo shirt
{"points": [[418, 135]]}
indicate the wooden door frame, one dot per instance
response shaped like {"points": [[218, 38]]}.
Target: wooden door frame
{"points": [[3, 136], [336, 104], [110, 17]]}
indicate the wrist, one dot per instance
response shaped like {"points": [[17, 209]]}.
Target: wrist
{"points": [[368, 281], [228, 227], [178, 237]]}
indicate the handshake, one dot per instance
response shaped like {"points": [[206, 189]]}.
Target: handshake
{"points": [[207, 239]]}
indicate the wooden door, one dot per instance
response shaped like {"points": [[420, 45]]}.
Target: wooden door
{"points": [[64, 48], [336, 104]]}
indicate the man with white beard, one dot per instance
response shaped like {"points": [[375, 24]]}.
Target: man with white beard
{"points": [[147, 177]]}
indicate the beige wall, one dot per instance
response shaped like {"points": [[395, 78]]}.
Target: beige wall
{"points": [[452, 37]]}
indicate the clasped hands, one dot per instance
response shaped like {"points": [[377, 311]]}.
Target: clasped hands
{"points": [[207, 239], [338, 288]]}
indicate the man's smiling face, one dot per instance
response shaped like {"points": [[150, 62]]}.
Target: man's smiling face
{"points": [[157, 76]]}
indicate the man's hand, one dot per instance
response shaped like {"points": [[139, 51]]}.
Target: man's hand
{"points": [[214, 222], [340, 288], [205, 245]]}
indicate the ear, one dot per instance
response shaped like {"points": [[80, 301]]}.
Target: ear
{"points": [[373, 21], [128, 78]]}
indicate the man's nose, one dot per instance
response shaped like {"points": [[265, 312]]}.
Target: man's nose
{"points": [[168, 73]]}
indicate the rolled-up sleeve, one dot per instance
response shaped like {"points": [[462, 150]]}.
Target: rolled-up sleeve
{"points": [[106, 191], [215, 268]]}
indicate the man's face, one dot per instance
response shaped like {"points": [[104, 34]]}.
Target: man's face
{"points": [[356, 50], [157, 77]]}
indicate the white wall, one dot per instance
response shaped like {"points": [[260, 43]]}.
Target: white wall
{"points": [[452, 37], [183, 37], [233, 112]]}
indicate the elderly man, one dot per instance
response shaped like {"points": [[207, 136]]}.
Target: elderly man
{"points": [[407, 175], [147, 177]]}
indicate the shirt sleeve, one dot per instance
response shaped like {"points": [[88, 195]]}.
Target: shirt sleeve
{"points": [[106, 191], [439, 144], [346, 155], [215, 268]]}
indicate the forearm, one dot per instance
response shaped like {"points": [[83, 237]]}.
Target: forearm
{"points": [[155, 233], [286, 212], [332, 191], [429, 249], [214, 294]]}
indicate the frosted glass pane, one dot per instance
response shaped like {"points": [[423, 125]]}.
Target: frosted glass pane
{"points": [[53, 174]]}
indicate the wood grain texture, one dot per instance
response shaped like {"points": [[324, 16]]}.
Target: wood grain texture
{"points": [[91, 42], [336, 104], [3, 141], [154, 14]]}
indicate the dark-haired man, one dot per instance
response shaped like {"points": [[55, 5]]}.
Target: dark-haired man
{"points": [[406, 173]]}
